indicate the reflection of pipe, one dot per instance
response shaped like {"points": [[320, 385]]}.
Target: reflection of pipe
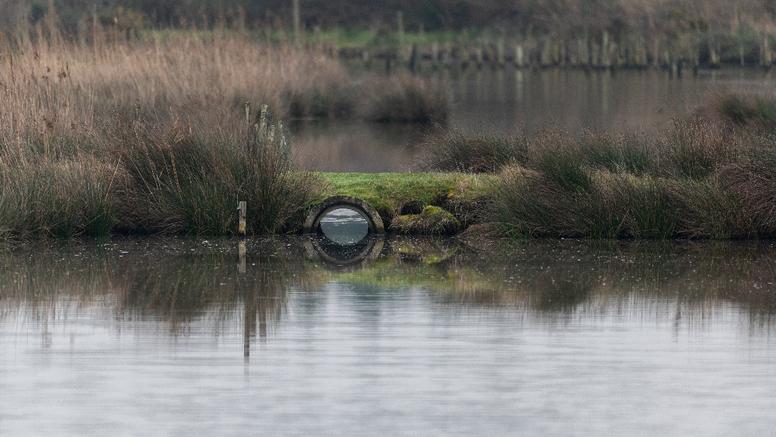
{"points": [[360, 254]]}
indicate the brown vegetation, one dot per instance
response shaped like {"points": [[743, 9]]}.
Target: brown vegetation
{"points": [[700, 179], [153, 136]]}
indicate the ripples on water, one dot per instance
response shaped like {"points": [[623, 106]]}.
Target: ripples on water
{"points": [[396, 337]]}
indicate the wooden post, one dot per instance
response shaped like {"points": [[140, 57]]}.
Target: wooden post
{"points": [[519, 56], [297, 21], [500, 52], [606, 60], [241, 256], [242, 228], [263, 115], [714, 58], [365, 57], [248, 113], [400, 28]]}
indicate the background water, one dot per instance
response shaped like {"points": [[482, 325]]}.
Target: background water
{"points": [[412, 337], [510, 101]]}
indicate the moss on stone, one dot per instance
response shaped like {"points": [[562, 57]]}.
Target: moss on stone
{"points": [[432, 221]]}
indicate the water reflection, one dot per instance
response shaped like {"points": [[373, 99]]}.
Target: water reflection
{"points": [[509, 100], [422, 334], [183, 282]]}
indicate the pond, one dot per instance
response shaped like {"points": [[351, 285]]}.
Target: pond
{"points": [[505, 101], [402, 337]]}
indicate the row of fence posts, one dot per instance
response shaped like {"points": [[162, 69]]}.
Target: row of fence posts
{"points": [[582, 53]]}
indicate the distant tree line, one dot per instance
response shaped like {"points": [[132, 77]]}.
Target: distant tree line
{"points": [[526, 16]]}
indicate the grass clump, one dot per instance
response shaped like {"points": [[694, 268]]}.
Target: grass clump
{"points": [[746, 110], [405, 98], [705, 176], [433, 220], [455, 151], [57, 198], [191, 180]]}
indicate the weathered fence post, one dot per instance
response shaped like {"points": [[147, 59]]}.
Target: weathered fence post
{"points": [[297, 21], [242, 226], [519, 56], [500, 57], [400, 27], [241, 256], [766, 59]]}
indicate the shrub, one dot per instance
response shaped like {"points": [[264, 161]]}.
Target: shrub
{"points": [[478, 153], [527, 205], [746, 110], [694, 148], [616, 153], [60, 198], [753, 184], [404, 98], [560, 159], [190, 180]]}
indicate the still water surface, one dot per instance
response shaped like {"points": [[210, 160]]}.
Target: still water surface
{"points": [[509, 101], [404, 337]]}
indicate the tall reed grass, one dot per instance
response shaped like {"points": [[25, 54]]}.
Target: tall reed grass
{"points": [[103, 134], [709, 175], [149, 137]]}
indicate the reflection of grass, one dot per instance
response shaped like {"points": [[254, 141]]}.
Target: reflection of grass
{"points": [[187, 282], [176, 281], [566, 277]]}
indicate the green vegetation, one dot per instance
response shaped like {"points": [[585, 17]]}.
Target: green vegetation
{"points": [[388, 193], [190, 182], [116, 135], [710, 175], [407, 99], [458, 152], [433, 220], [748, 111]]}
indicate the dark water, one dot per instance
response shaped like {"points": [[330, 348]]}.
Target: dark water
{"points": [[388, 337], [509, 101]]}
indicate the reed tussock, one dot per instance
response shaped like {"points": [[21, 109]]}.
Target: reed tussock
{"points": [[99, 135], [189, 178], [150, 137], [456, 151], [706, 176], [405, 98]]}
